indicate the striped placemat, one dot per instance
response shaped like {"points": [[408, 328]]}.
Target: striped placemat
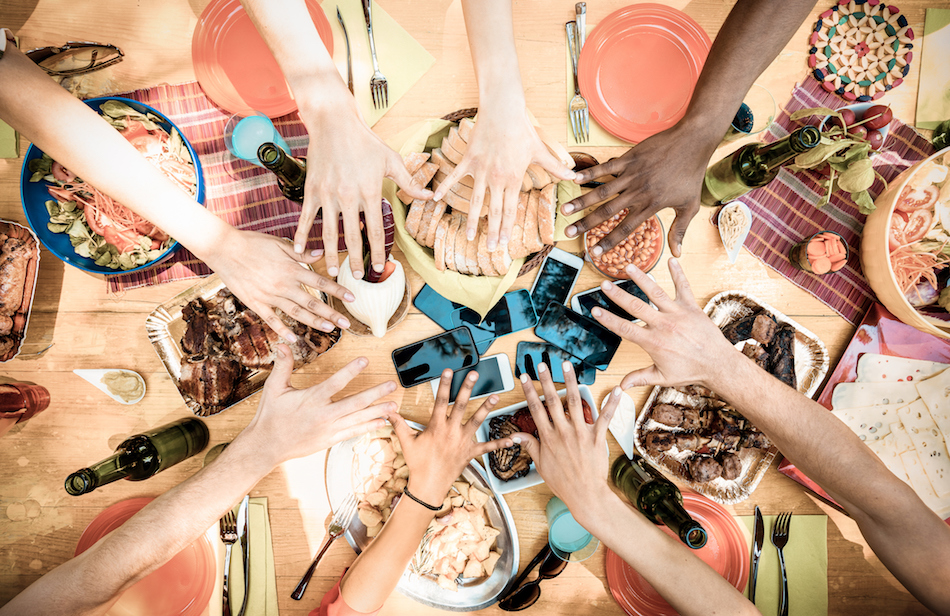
{"points": [[244, 195], [784, 211]]}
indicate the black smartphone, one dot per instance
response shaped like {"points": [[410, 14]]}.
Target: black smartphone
{"points": [[583, 338], [425, 360], [585, 301], [513, 312], [559, 272], [530, 354], [445, 313], [494, 377]]}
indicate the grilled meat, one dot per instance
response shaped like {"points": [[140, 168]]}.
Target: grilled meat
{"points": [[782, 356], [753, 439], [696, 390], [758, 326], [757, 354], [510, 462], [525, 422], [15, 255], [731, 465], [696, 419], [667, 414], [210, 380], [659, 441], [703, 468]]}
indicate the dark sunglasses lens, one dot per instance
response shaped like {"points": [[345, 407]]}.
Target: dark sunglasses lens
{"points": [[521, 600], [554, 565]]}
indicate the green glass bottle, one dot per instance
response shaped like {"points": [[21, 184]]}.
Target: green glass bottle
{"points": [[754, 165], [291, 172], [657, 498], [941, 136], [142, 455]]}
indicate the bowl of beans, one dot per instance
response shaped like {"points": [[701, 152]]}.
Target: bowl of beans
{"points": [[642, 248]]}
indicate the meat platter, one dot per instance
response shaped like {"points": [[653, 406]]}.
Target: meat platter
{"points": [[217, 351], [19, 267], [695, 437]]}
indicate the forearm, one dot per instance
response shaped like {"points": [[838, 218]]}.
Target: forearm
{"points": [[686, 582], [492, 42]]}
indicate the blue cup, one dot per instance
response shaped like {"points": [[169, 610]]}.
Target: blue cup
{"points": [[244, 135], [568, 540]]}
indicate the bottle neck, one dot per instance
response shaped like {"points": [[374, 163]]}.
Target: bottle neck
{"points": [[111, 469], [771, 156], [291, 172], [677, 519]]}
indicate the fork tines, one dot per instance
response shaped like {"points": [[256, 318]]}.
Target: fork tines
{"points": [[344, 514], [380, 91]]}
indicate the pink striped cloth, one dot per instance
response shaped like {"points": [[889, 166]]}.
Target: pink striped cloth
{"points": [[784, 211], [244, 195]]}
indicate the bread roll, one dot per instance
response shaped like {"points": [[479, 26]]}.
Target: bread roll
{"points": [[547, 213]]}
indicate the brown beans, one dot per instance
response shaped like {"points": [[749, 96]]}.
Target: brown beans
{"points": [[640, 248]]}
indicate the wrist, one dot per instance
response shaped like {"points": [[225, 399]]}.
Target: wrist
{"points": [[429, 491], [588, 507], [213, 240]]}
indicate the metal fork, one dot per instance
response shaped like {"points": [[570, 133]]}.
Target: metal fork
{"points": [[228, 526], [338, 525], [577, 109], [377, 85], [780, 529]]}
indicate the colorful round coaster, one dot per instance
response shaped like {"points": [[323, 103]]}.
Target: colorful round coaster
{"points": [[860, 49]]}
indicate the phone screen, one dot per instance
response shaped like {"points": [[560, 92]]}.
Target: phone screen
{"points": [[425, 360], [554, 283], [583, 338], [489, 379], [588, 301], [530, 354], [446, 313], [514, 312]]}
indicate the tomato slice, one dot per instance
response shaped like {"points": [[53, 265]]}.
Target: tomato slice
{"points": [[918, 225], [917, 199]]}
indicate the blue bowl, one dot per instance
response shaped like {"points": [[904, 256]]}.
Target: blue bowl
{"points": [[34, 196]]}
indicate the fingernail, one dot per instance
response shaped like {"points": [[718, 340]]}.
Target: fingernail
{"points": [[327, 326], [596, 312], [342, 322], [606, 285], [504, 240], [437, 196], [580, 178], [472, 376], [597, 251], [617, 391], [298, 249], [516, 440], [349, 297], [524, 377], [569, 207], [333, 271], [357, 274], [493, 400], [542, 367], [470, 235], [674, 260], [631, 268], [291, 338], [567, 367], [378, 267], [391, 387], [571, 230], [316, 253], [491, 244], [571, 175], [363, 362]]}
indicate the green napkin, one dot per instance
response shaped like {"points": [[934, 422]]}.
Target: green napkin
{"points": [[933, 94], [262, 600], [402, 59], [9, 141], [806, 562]]}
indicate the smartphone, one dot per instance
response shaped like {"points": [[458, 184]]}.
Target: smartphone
{"points": [[583, 338], [530, 354], [559, 272], [494, 377], [585, 301], [425, 360], [513, 312], [445, 313]]}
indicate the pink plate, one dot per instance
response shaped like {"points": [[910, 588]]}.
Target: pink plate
{"points": [[638, 69], [180, 587], [234, 65], [725, 551]]}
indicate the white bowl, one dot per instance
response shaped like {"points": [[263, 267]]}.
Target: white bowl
{"points": [[95, 378], [859, 109]]}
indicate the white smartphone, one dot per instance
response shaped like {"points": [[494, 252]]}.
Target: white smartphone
{"points": [[494, 377], [559, 272], [585, 301]]}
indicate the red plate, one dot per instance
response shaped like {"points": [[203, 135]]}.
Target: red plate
{"points": [[234, 66], [180, 587], [638, 69], [725, 551]]}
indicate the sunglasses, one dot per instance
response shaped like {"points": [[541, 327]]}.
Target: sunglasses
{"points": [[75, 58], [527, 595]]}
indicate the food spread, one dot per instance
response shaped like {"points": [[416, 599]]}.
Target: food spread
{"points": [[641, 248], [127, 386]]}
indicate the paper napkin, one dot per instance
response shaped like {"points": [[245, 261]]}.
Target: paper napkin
{"points": [[262, 599], [933, 95]]}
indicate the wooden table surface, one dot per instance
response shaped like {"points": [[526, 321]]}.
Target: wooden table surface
{"points": [[89, 328]]}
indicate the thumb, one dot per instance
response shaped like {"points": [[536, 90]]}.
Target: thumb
{"points": [[531, 444], [642, 377], [451, 180], [279, 378], [402, 429], [399, 174], [678, 231], [555, 167]]}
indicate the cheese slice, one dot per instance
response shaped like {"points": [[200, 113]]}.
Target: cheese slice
{"points": [[886, 450], [876, 368], [870, 423], [857, 395], [918, 481], [902, 440], [935, 392], [930, 446]]}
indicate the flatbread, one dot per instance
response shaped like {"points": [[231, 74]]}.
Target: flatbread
{"points": [[857, 395], [876, 368], [930, 445]]}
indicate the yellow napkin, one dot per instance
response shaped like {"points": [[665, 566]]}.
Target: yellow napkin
{"points": [[806, 564], [933, 95], [9, 140], [262, 599], [598, 136], [567, 191], [402, 60]]}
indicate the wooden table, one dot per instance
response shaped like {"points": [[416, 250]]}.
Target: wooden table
{"points": [[90, 328]]}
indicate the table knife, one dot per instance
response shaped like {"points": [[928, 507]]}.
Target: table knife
{"points": [[242, 524], [580, 18], [758, 538], [349, 60]]}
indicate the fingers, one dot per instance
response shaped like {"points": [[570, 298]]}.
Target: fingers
{"points": [[451, 180], [612, 167], [402, 429], [496, 209], [343, 376], [366, 398], [270, 317], [461, 399], [475, 203], [480, 449], [317, 282], [307, 309], [279, 378], [555, 167], [509, 213], [678, 229], [551, 399], [331, 234], [354, 239], [633, 305], [536, 407], [373, 213], [396, 171], [439, 411], [626, 228], [530, 444], [684, 293], [595, 196], [627, 330], [573, 396], [642, 377], [307, 215], [358, 428], [482, 412], [607, 414]]}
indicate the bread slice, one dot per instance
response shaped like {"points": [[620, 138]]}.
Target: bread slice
{"points": [[461, 204], [414, 217], [501, 260], [539, 177], [516, 246], [449, 148], [466, 180], [465, 129], [450, 236], [429, 239], [484, 256], [532, 237], [422, 176], [414, 160], [461, 244], [460, 145], [471, 255], [547, 213], [527, 183], [438, 247], [424, 223]]}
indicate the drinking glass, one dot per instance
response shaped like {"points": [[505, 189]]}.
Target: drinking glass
{"points": [[568, 539], [243, 135], [756, 113]]}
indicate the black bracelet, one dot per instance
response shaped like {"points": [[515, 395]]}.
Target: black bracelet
{"points": [[424, 504]]}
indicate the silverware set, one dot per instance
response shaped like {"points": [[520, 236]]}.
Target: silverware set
{"points": [[378, 86], [232, 529], [780, 533], [349, 59], [338, 525], [577, 110]]}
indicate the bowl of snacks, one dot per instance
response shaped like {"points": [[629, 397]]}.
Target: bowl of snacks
{"points": [[902, 248], [87, 229], [642, 248]]}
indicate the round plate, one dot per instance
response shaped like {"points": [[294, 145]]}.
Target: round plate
{"points": [[725, 551], [180, 587], [638, 69], [234, 66]]}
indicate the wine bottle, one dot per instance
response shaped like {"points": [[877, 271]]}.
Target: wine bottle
{"points": [[754, 165], [291, 172], [657, 498], [142, 455], [941, 136]]}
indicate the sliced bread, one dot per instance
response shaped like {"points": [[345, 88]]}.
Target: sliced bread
{"points": [[532, 236], [501, 260], [461, 245], [471, 255], [547, 213], [422, 177], [484, 256], [438, 247], [539, 177], [429, 240], [465, 129], [414, 160], [414, 217], [424, 223], [516, 242], [449, 148], [451, 235]]}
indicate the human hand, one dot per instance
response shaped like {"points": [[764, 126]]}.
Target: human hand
{"points": [[685, 345], [646, 182], [264, 273], [502, 145], [571, 454], [437, 455], [291, 423], [346, 164]]}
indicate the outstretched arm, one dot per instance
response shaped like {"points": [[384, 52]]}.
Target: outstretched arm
{"points": [[346, 161], [753, 34], [286, 426], [687, 347]]}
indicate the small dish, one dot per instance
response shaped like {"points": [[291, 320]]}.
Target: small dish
{"points": [[738, 236], [357, 327], [95, 377], [859, 109], [625, 252]]}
